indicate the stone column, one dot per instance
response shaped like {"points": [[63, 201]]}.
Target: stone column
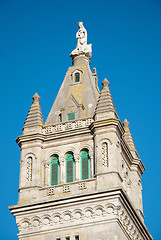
{"points": [[46, 173], [77, 167], [62, 170], [91, 166]]}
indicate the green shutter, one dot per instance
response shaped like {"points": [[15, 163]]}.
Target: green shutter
{"points": [[71, 116], [54, 170], [85, 165], [77, 77], [69, 167], [69, 171], [84, 168]]}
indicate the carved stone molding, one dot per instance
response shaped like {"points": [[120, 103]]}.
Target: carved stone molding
{"points": [[66, 188], [82, 214], [76, 157], [50, 191], [82, 185], [75, 124], [94, 212], [61, 160], [59, 128], [78, 124], [49, 129], [105, 154], [129, 225], [46, 164], [29, 169], [68, 126]]}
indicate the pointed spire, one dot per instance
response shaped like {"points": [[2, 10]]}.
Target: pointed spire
{"points": [[105, 83], [36, 98], [34, 117], [129, 140], [105, 107]]}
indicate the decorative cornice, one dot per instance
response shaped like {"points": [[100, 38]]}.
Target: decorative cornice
{"points": [[103, 206], [135, 164], [65, 129], [30, 137], [106, 122], [66, 126]]}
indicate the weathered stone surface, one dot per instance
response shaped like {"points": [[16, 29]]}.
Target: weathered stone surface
{"points": [[101, 215], [105, 107], [34, 120], [107, 205]]}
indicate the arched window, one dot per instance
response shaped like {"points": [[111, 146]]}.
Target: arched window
{"points": [[60, 117], [69, 167], [54, 170], [77, 77], [85, 164]]}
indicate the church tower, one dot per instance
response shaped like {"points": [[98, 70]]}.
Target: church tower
{"points": [[80, 173]]}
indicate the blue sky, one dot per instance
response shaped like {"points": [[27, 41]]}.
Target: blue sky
{"points": [[36, 38]]}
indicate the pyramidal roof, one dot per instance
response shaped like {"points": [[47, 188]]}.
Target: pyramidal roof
{"points": [[34, 117], [129, 140], [105, 107], [79, 92]]}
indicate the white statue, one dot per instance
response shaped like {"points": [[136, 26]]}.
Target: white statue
{"points": [[82, 37], [82, 46]]}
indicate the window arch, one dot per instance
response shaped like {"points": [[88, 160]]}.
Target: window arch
{"points": [[70, 164], [76, 76], [54, 170], [85, 164], [60, 117]]}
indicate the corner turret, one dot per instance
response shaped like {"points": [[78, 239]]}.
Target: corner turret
{"points": [[129, 139], [34, 120], [105, 107]]}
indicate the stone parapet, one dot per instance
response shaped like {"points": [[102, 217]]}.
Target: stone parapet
{"points": [[69, 125]]}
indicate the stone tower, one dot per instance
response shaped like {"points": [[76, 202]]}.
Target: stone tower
{"points": [[80, 173]]}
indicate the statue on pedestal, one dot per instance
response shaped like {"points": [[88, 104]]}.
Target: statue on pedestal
{"points": [[82, 46]]}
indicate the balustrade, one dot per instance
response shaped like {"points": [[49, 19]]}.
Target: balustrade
{"points": [[75, 124]]}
